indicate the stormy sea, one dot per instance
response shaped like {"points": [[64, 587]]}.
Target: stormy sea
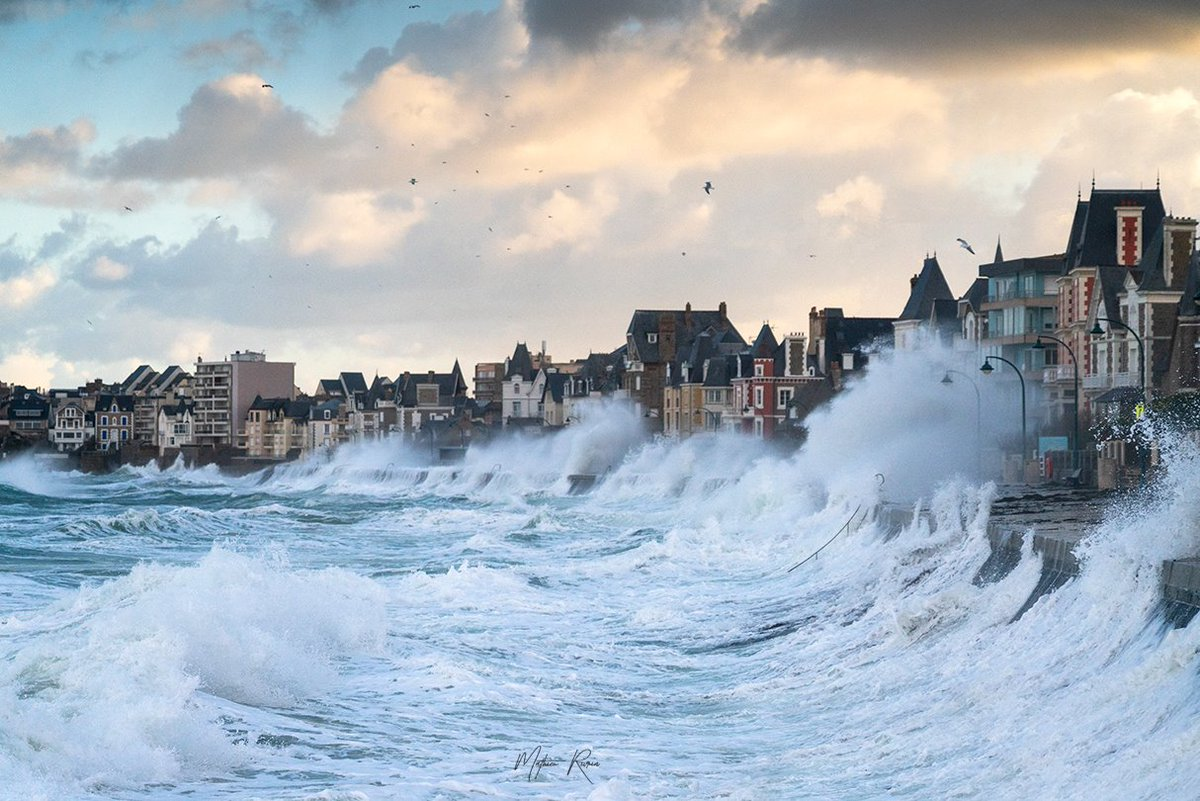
{"points": [[710, 618]]}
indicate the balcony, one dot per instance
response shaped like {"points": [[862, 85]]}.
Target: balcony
{"points": [[1016, 293], [1061, 372]]}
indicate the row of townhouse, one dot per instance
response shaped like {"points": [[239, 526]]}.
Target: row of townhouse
{"points": [[1098, 332], [690, 371], [1107, 324], [111, 416]]}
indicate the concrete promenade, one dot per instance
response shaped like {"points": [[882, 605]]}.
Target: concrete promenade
{"points": [[1058, 519]]}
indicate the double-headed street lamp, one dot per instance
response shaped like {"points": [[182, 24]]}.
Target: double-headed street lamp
{"points": [[1075, 369], [987, 369], [978, 417]]}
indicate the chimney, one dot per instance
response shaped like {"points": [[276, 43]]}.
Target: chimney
{"points": [[724, 317], [432, 380], [1178, 235], [1129, 235], [687, 315], [912, 282]]}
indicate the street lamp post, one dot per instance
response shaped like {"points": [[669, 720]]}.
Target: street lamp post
{"points": [[978, 417], [1098, 331], [987, 369], [1075, 369]]}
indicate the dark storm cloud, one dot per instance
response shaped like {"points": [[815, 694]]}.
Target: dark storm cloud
{"points": [[440, 49], [582, 24], [937, 30]]}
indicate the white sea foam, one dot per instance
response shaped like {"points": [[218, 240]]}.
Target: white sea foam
{"points": [[715, 618], [119, 684]]}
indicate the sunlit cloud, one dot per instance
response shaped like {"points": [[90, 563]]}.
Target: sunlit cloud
{"points": [[23, 290]]}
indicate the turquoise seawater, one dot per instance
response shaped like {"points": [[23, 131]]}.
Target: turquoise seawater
{"points": [[374, 627]]}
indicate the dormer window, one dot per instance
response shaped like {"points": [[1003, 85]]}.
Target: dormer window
{"points": [[652, 337], [113, 408]]}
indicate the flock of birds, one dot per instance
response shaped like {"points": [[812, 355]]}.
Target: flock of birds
{"points": [[708, 188]]}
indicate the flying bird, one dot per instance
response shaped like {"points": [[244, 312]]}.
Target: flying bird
{"points": [[267, 86], [708, 187], [128, 209], [412, 181], [962, 243]]}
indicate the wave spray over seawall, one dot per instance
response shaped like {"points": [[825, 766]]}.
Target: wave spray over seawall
{"points": [[370, 625]]}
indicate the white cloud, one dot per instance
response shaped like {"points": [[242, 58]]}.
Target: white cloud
{"points": [[107, 269], [24, 289], [352, 229], [28, 367], [565, 219], [859, 198]]}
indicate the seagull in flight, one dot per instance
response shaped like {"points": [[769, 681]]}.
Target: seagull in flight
{"points": [[412, 181], [267, 86], [708, 187], [128, 209], [962, 243]]}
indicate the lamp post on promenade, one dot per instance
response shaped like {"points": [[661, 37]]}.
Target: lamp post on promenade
{"points": [[1098, 331], [978, 417], [987, 369], [1075, 369]]}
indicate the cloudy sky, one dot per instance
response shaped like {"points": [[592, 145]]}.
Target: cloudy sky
{"points": [[425, 181]]}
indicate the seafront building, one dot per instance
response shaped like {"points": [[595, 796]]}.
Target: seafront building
{"points": [[1098, 333], [223, 392]]}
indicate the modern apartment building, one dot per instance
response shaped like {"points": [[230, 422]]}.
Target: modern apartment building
{"points": [[223, 392]]}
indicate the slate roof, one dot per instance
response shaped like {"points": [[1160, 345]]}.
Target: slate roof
{"points": [[330, 388], [137, 381], [689, 324], [451, 386], [316, 411], [105, 401], [1151, 265], [976, 294], [556, 384], [854, 334], [1112, 281], [520, 364], [928, 286], [353, 382], [1188, 304], [182, 407], [169, 379], [1093, 240], [765, 344], [601, 372]]}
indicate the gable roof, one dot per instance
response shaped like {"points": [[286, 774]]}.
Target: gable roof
{"points": [[928, 286], [105, 401], [976, 294], [137, 381], [353, 382]]}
